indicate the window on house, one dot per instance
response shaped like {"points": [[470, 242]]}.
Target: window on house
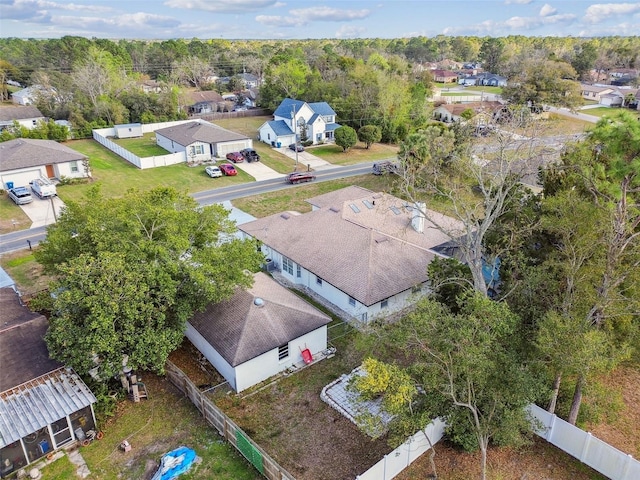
{"points": [[287, 265], [318, 281], [364, 317], [74, 166], [268, 136], [283, 351], [352, 301], [384, 303], [298, 271]]}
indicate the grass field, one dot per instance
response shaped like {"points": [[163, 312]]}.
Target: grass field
{"points": [[144, 146], [609, 112], [166, 420], [115, 175]]}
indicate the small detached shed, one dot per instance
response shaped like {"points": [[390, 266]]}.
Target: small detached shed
{"points": [[259, 333], [128, 130]]}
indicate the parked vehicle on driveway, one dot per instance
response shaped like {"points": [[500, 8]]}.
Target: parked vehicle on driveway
{"points": [[384, 167], [43, 187], [299, 177], [213, 171], [228, 169], [235, 157], [20, 195], [296, 147], [250, 155]]}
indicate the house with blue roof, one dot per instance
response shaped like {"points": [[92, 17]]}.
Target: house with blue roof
{"points": [[295, 119]]}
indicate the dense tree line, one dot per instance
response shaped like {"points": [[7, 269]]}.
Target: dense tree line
{"points": [[367, 81]]}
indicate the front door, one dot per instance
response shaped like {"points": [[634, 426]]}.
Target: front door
{"points": [[50, 173]]}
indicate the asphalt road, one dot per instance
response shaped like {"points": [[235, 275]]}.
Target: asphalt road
{"points": [[24, 239]]}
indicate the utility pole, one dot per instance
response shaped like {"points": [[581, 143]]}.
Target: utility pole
{"points": [[295, 137]]}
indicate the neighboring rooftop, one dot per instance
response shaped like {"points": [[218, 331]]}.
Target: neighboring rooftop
{"points": [[256, 320], [27, 152], [190, 132]]}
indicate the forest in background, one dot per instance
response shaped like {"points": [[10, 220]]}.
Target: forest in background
{"points": [[384, 82]]}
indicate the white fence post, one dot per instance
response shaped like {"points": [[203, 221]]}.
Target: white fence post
{"points": [[585, 447]]}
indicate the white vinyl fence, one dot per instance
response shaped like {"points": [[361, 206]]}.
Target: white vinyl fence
{"points": [[590, 450], [100, 135], [393, 463]]}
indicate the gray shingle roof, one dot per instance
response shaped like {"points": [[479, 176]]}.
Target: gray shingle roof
{"points": [[27, 152], [240, 330], [362, 244], [23, 353], [188, 133], [19, 112]]}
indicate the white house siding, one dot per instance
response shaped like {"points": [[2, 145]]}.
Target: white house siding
{"points": [[266, 365], [336, 296], [21, 177], [212, 355]]}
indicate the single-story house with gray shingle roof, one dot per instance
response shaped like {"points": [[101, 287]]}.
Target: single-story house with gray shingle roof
{"points": [[258, 333], [43, 405], [367, 253], [27, 116], [201, 140], [24, 159], [292, 117], [208, 101]]}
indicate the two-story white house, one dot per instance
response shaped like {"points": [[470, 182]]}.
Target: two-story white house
{"points": [[365, 252], [295, 119]]}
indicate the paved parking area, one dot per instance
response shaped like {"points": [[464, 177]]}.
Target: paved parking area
{"points": [[43, 211], [258, 170], [305, 158]]}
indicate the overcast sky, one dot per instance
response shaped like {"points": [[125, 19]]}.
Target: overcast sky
{"points": [[299, 19]]}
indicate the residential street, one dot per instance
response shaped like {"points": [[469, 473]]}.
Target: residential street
{"points": [[19, 240]]}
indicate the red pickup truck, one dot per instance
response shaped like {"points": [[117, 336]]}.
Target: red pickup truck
{"points": [[299, 177]]}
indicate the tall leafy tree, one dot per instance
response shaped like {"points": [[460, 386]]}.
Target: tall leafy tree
{"points": [[130, 271], [369, 134], [346, 137], [465, 368]]}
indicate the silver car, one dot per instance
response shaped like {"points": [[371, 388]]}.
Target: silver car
{"points": [[20, 195]]}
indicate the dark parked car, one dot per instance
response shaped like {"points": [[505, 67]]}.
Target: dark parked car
{"points": [[235, 157], [250, 155], [296, 147], [20, 195], [228, 169], [299, 177]]}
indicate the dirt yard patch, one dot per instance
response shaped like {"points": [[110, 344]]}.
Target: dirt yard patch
{"points": [[311, 440]]}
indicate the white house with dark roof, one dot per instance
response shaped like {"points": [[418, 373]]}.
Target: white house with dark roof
{"points": [[258, 333], [292, 117], [27, 116], [24, 159], [367, 253], [201, 140]]}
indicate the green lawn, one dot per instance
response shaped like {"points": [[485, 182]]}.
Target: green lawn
{"points": [[115, 175], [144, 146], [496, 90], [166, 420], [358, 154], [608, 111]]}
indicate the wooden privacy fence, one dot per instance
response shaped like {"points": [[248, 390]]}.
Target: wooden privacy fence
{"points": [[233, 434]]}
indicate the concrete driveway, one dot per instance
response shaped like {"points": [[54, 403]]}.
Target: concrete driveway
{"points": [[43, 211], [258, 170]]}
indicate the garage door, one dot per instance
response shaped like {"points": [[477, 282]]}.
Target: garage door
{"points": [[21, 179], [224, 148]]}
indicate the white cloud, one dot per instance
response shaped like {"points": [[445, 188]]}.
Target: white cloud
{"points": [[304, 16], [349, 31], [328, 14], [547, 10], [512, 24], [223, 6], [278, 21], [601, 11], [39, 11]]}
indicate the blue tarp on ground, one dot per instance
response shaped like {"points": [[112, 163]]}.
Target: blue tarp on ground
{"points": [[175, 463]]}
